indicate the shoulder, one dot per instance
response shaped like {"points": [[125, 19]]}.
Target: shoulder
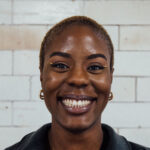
{"points": [[34, 140], [23, 142], [118, 142], [135, 146]]}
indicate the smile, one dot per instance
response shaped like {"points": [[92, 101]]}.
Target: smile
{"points": [[75, 103]]}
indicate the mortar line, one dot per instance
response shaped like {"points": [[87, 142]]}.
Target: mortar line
{"points": [[118, 37], [12, 11]]}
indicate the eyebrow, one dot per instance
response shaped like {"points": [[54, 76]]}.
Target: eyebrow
{"points": [[96, 56], [66, 55]]}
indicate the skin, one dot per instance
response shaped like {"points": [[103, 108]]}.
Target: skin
{"points": [[76, 77]]}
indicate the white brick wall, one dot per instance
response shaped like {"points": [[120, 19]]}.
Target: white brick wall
{"points": [[23, 24], [30, 114], [137, 135], [135, 38], [123, 89], [35, 87], [12, 136], [14, 88], [5, 11], [143, 95], [5, 62], [113, 32], [132, 63], [118, 12], [5, 113], [45, 12], [127, 115], [26, 62]]}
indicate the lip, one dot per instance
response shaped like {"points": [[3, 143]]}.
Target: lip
{"points": [[77, 97], [77, 110]]}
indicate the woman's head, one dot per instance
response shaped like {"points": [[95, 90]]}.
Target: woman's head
{"points": [[76, 63], [78, 20]]}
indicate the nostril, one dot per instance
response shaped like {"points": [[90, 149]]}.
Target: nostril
{"points": [[78, 78], [77, 85]]}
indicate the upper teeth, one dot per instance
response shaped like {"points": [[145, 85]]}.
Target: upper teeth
{"points": [[75, 103]]}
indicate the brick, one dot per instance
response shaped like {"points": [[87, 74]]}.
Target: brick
{"points": [[35, 88], [45, 12], [113, 32], [5, 12], [26, 62], [5, 113], [135, 38], [118, 12], [12, 135], [143, 87], [24, 37], [127, 115], [14, 88], [140, 136], [30, 113], [132, 63], [123, 89], [5, 62]]}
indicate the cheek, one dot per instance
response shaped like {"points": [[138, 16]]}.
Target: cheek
{"points": [[52, 82], [102, 84]]}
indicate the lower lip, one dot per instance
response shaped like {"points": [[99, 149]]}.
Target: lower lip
{"points": [[77, 110]]}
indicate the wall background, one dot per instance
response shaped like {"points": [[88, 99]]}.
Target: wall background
{"points": [[23, 24]]}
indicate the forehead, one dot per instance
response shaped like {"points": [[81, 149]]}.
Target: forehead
{"points": [[78, 37]]}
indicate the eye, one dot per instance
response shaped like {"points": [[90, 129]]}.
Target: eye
{"points": [[96, 68], [60, 67]]}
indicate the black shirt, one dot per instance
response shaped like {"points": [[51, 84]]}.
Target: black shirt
{"points": [[38, 140]]}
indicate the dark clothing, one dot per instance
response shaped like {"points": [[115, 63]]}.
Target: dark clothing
{"points": [[39, 141]]}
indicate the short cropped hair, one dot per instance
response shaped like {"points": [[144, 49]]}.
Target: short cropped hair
{"points": [[76, 20]]}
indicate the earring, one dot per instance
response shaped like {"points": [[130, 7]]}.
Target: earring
{"points": [[110, 96], [41, 95]]}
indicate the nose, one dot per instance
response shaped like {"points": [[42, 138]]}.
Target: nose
{"points": [[78, 78]]}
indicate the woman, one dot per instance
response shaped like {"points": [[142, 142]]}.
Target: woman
{"points": [[76, 65]]}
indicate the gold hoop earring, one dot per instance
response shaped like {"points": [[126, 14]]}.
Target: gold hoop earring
{"points": [[41, 95], [110, 96]]}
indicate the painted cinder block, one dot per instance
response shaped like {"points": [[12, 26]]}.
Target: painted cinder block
{"points": [[21, 37], [143, 89], [134, 38], [5, 114], [35, 87], [45, 12], [113, 32], [26, 62], [14, 88], [30, 113], [132, 63], [118, 12], [125, 115], [5, 62], [5, 12], [123, 89], [138, 135]]}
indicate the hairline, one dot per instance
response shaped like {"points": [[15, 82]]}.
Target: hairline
{"points": [[83, 21]]}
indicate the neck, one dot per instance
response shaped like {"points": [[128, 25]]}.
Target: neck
{"points": [[62, 139]]}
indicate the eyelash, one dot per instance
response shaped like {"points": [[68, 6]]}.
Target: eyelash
{"points": [[61, 67]]}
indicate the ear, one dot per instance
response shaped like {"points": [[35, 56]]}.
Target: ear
{"points": [[41, 76], [111, 74], [41, 79]]}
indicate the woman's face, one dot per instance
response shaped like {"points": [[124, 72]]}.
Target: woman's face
{"points": [[76, 78]]}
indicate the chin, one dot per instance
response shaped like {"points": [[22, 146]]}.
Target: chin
{"points": [[77, 125]]}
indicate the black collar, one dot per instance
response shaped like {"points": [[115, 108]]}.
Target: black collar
{"points": [[39, 140]]}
